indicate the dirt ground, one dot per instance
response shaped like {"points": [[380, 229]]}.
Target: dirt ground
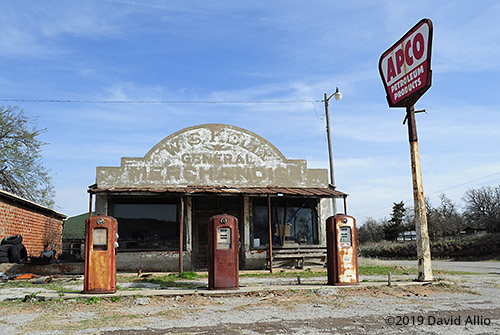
{"points": [[458, 304]]}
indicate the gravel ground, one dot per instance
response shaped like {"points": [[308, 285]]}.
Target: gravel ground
{"points": [[464, 304]]}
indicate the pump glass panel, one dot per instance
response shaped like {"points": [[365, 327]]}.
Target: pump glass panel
{"points": [[345, 237], [100, 238], [223, 238]]}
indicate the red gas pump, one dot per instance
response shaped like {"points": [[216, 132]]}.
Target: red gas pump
{"points": [[100, 254], [342, 255], [223, 246]]}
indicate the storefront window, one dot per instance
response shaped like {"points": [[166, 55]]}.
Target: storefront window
{"points": [[146, 226], [292, 221]]}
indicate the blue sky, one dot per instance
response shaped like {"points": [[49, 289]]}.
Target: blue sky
{"points": [[257, 50]]}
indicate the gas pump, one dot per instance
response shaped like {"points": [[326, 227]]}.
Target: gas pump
{"points": [[100, 254], [223, 247], [342, 256]]}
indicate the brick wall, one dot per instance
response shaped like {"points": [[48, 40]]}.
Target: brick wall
{"points": [[40, 227]]}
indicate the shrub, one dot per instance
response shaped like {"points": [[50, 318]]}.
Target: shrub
{"points": [[486, 246]]}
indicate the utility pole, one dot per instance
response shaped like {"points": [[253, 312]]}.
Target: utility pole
{"points": [[338, 96], [423, 244]]}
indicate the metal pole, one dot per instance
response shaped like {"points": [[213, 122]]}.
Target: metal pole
{"points": [[181, 236], [90, 205], [423, 244], [329, 137], [330, 150], [345, 205], [269, 217]]}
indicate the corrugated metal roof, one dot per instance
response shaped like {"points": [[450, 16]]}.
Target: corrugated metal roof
{"points": [[270, 190]]}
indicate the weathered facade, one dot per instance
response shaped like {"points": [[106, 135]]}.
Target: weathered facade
{"points": [[164, 199]]}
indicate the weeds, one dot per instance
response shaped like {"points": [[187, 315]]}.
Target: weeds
{"points": [[93, 300], [189, 275], [172, 280], [115, 299]]}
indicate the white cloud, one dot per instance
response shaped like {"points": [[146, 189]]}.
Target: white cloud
{"points": [[37, 30]]}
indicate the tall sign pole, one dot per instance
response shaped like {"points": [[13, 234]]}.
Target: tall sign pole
{"points": [[406, 72], [421, 228]]}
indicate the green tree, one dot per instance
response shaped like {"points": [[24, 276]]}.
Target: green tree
{"points": [[21, 169], [395, 225]]}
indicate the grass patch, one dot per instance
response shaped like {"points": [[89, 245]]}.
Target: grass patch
{"points": [[383, 270], [115, 299], [175, 280], [93, 300], [189, 275], [286, 274], [363, 270]]}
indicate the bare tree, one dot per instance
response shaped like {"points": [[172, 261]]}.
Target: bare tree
{"points": [[21, 169], [482, 207], [444, 220], [371, 231]]}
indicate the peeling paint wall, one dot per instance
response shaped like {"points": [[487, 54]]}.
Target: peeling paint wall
{"points": [[212, 154]]}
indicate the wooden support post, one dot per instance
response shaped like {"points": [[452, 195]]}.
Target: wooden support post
{"points": [[423, 243], [181, 235], [269, 217]]}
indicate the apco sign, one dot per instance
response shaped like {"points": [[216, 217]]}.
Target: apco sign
{"points": [[405, 67]]}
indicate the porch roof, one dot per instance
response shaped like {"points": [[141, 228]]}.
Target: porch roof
{"points": [[326, 192]]}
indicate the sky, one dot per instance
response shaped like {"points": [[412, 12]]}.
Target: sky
{"points": [[289, 52]]}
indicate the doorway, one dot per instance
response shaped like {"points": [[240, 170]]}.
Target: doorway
{"points": [[203, 209]]}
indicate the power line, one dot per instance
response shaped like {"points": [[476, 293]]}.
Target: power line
{"points": [[468, 182], [434, 193], [162, 101]]}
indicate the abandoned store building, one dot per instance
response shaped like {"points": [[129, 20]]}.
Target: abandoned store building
{"points": [[164, 200]]}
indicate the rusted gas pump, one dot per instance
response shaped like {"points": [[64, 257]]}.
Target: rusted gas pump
{"points": [[100, 254], [223, 247], [342, 256]]}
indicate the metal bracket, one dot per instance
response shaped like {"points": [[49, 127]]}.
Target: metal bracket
{"points": [[419, 111]]}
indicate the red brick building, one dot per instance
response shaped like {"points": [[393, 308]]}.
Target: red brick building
{"points": [[40, 227]]}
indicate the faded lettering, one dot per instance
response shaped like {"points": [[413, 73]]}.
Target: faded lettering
{"points": [[210, 155]]}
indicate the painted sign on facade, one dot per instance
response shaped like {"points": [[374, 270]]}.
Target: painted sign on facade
{"points": [[405, 67], [212, 154]]}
